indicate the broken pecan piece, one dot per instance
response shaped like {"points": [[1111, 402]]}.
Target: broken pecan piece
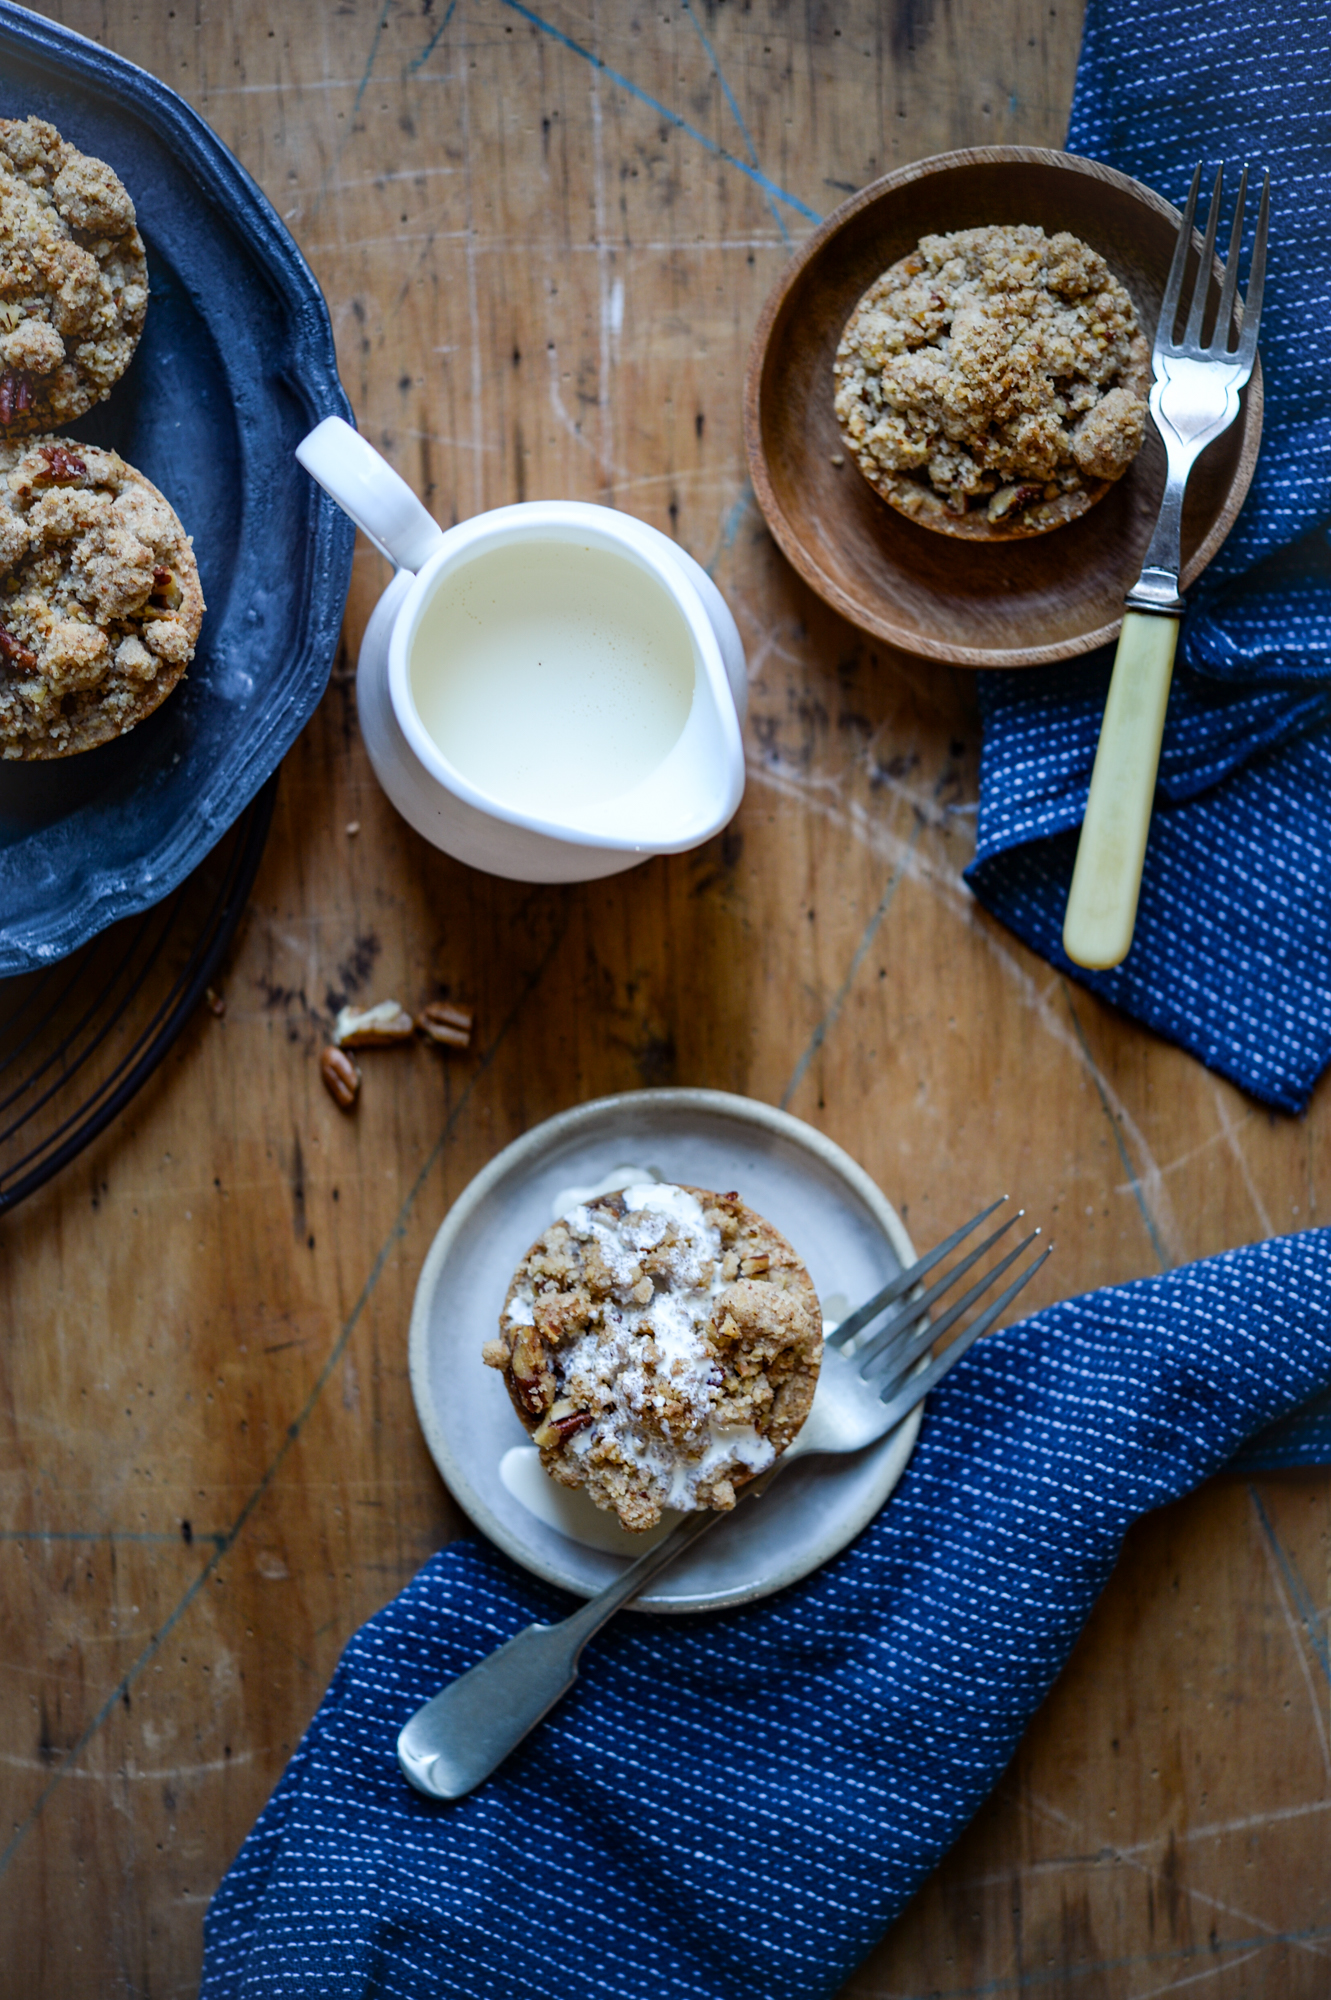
{"points": [[15, 654], [15, 394], [374, 1027], [444, 1021], [165, 590], [62, 464], [1011, 499], [532, 1379], [563, 1422], [341, 1077]]}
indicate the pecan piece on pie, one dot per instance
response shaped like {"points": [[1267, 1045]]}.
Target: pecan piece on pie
{"points": [[1011, 499], [532, 1377], [563, 1422], [15, 655], [15, 394], [63, 464]]}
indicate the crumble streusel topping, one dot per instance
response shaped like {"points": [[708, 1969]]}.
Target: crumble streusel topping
{"points": [[662, 1347], [994, 381], [100, 604], [73, 278]]}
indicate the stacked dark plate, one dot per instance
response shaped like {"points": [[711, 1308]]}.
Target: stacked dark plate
{"points": [[138, 857]]}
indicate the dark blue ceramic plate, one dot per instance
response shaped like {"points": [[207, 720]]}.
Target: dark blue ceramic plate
{"points": [[235, 365]]}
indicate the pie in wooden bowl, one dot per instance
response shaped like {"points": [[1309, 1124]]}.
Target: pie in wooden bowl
{"points": [[993, 383]]}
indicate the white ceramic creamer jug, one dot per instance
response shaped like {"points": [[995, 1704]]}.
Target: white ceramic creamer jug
{"points": [[552, 691]]}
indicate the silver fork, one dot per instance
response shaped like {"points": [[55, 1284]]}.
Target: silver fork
{"points": [[866, 1386], [1195, 396]]}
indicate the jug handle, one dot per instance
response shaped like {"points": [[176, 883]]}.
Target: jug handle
{"points": [[365, 486]]}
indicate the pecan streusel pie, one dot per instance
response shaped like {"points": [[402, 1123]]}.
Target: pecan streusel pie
{"points": [[100, 604], [661, 1346], [993, 383], [73, 279]]}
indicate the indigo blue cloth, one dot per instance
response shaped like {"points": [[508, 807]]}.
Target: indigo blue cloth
{"points": [[1230, 959], [738, 1805]]}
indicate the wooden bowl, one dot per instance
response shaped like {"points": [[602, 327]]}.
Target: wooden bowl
{"points": [[1017, 603]]}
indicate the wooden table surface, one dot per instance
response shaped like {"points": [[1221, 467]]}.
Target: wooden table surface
{"points": [[545, 235]]}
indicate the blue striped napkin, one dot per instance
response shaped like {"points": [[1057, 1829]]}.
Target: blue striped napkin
{"points": [[1233, 942], [739, 1805]]}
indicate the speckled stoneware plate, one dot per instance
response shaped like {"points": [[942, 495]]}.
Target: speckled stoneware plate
{"points": [[849, 1235], [236, 363]]}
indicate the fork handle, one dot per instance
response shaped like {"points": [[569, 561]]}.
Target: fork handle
{"points": [[453, 1743], [1107, 878]]}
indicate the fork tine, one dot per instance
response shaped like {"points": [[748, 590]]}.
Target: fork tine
{"points": [[917, 1388], [1220, 336], [892, 1366], [1164, 332], [906, 1281], [1192, 336], [900, 1364], [914, 1310], [1252, 305]]}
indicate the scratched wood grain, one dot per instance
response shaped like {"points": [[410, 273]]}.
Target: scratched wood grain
{"points": [[545, 235]]}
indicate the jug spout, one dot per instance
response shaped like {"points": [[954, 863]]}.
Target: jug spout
{"points": [[691, 794], [365, 486]]}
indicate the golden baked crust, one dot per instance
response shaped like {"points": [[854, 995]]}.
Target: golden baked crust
{"points": [[662, 1347], [73, 279], [993, 383], [100, 603]]}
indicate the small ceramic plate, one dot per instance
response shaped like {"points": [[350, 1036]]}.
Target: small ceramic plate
{"points": [[846, 1231]]}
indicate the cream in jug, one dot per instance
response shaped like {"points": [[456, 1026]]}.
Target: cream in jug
{"points": [[552, 673]]}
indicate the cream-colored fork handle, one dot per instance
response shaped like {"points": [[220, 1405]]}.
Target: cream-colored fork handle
{"points": [[1107, 878]]}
